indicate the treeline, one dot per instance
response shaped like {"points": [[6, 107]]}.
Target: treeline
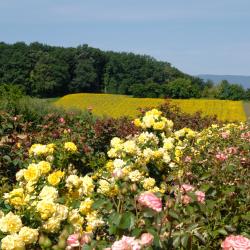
{"points": [[49, 71]]}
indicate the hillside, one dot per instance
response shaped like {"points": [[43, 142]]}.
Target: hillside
{"points": [[243, 80]]}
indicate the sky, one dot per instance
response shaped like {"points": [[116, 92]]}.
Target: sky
{"points": [[196, 36]]}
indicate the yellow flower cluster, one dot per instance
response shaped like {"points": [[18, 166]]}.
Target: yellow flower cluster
{"points": [[185, 132], [10, 223], [55, 178], [70, 147], [79, 186], [154, 120], [93, 221], [85, 206], [40, 149], [19, 236], [16, 198], [109, 189]]}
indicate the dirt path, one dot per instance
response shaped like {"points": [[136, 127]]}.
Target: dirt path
{"points": [[247, 109]]}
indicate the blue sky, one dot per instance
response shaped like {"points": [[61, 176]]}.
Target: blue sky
{"points": [[196, 36]]}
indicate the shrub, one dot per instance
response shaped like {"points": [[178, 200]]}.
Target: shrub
{"points": [[161, 188]]}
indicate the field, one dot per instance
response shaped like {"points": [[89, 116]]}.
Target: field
{"points": [[120, 105]]}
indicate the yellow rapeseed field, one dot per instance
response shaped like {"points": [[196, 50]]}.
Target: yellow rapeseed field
{"points": [[120, 105]]}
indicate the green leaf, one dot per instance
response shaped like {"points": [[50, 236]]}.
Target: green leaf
{"points": [[115, 218], [173, 214], [112, 229], [222, 231], [184, 240], [86, 247], [98, 203], [7, 158], [200, 237], [177, 241], [136, 232], [230, 228], [76, 204], [127, 221]]}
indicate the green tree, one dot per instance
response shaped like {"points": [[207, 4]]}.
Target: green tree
{"points": [[182, 88], [49, 77]]}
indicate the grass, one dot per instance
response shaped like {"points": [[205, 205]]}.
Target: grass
{"points": [[120, 105]]}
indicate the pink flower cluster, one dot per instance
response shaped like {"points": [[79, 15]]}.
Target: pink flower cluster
{"points": [[225, 134], [231, 150], [186, 199], [221, 156], [130, 243], [245, 136], [76, 240], [150, 200], [236, 242]]}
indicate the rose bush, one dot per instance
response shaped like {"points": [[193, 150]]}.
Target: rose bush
{"points": [[160, 188]]}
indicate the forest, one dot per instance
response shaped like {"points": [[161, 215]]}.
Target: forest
{"points": [[49, 71]]}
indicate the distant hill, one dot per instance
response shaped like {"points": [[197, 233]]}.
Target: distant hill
{"points": [[243, 80]]}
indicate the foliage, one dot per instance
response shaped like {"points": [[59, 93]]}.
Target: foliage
{"points": [[161, 188], [49, 71], [182, 88], [230, 91], [118, 105], [9, 95]]}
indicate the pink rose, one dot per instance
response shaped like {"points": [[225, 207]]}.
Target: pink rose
{"points": [[221, 157], [146, 239], [61, 120], [185, 199], [245, 136], [231, 150], [188, 159], [150, 200], [186, 188], [236, 242], [126, 243], [118, 173], [200, 196], [73, 240], [85, 238], [225, 134]]}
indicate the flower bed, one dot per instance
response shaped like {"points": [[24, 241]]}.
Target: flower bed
{"points": [[160, 188]]}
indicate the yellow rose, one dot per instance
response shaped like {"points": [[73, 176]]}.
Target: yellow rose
{"points": [[159, 125], [16, 197], [32, 173], [44, 167], [12, 242], [48, 193], [70, 146], [76, 220], [28, 235], [148, 183], [129, 147], [46, 208], [52, 225], [137, 122], [154, 112], [55, 178], [10, 223], [87, 185], [85, 206]]}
